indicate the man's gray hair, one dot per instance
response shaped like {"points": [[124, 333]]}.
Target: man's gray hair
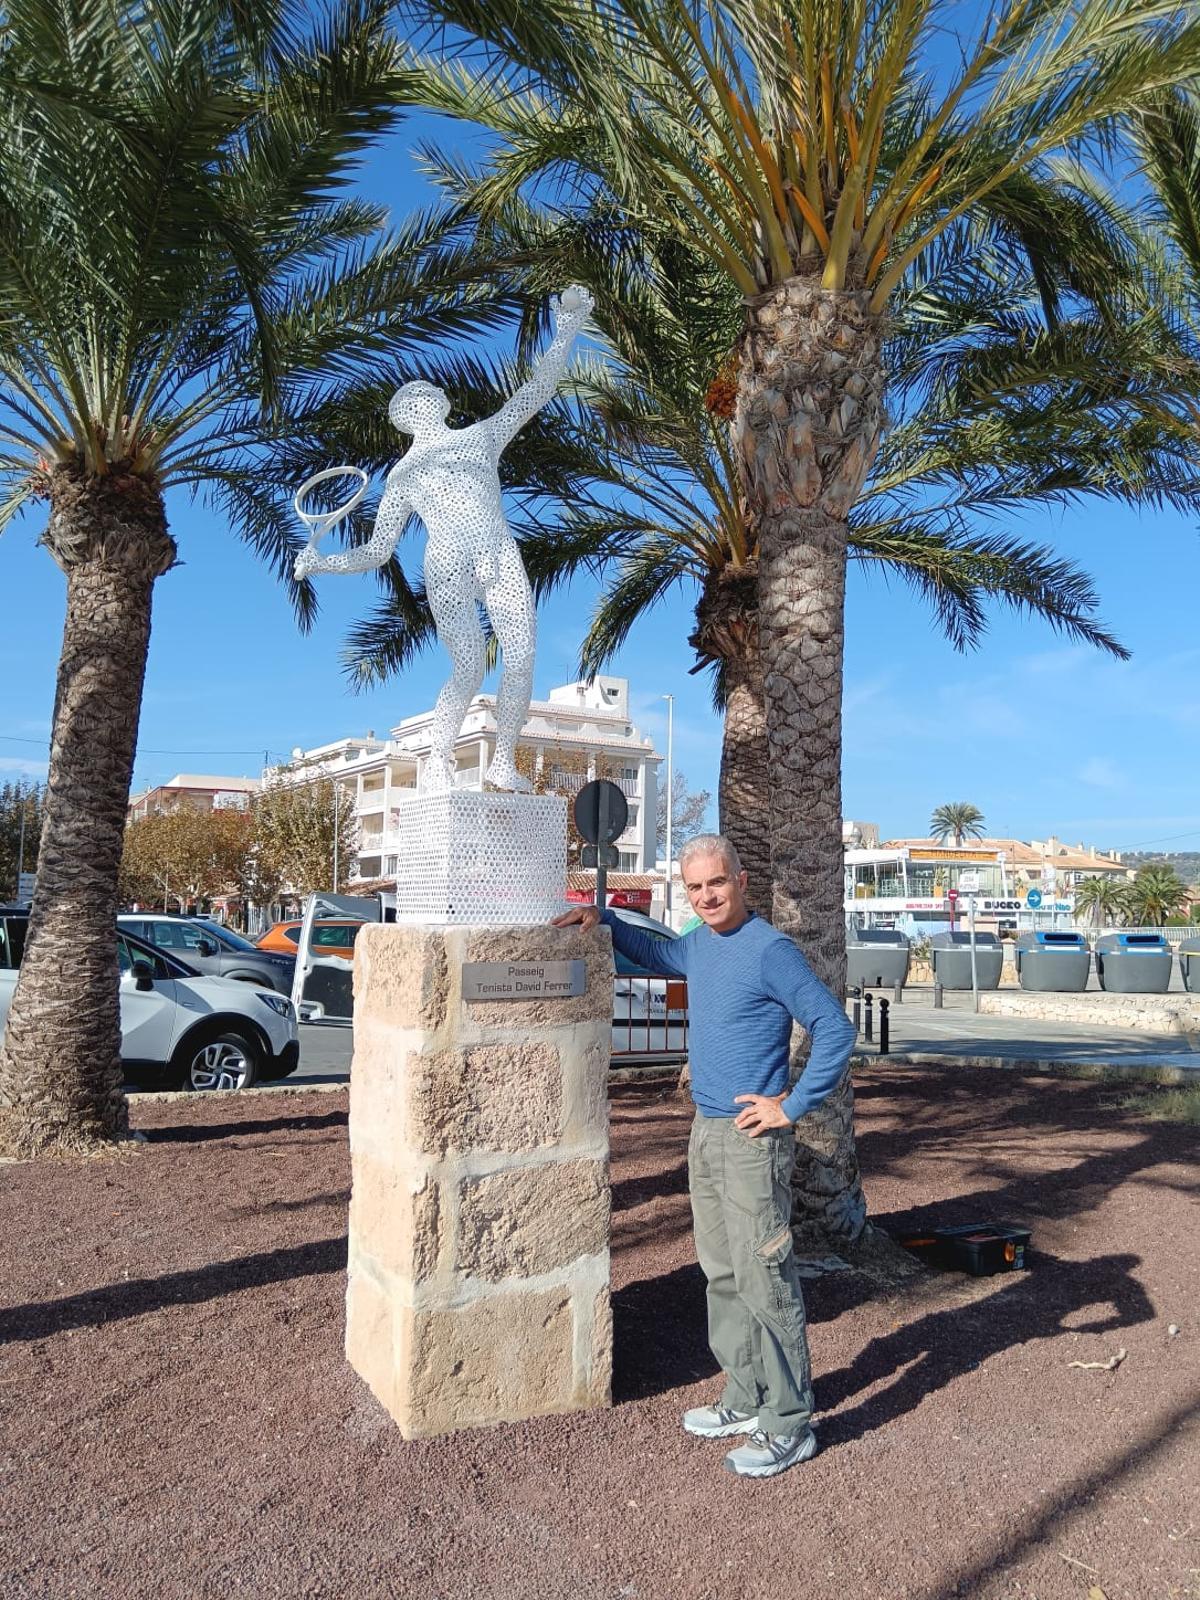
{"points": [[710, 844]]}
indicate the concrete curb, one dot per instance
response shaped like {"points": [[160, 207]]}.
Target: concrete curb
{"points": [[652, 1070], [198, 1097], [1161, 1072]]}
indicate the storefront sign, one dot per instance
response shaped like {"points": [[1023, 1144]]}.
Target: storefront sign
{"points": [[896, 903], [948, 857], [515, 980], [985, 905], [631, 899]]}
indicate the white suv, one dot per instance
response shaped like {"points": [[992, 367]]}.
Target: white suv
{"points": [[180, 1030]]}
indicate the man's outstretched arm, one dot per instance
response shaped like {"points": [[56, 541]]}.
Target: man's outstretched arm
{"points": [[394, 511], [653, 954], [570, 312]]}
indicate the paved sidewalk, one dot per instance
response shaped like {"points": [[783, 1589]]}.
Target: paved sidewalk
{"points": [[917, 1028]]}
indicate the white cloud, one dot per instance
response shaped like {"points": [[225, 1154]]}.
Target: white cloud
{"points": [[21, 768]]}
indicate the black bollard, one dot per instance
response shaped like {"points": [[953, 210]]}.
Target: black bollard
{"points": [[856, 1007], [937, 997], [883, 1025], [869, 1025], [898, 994]]}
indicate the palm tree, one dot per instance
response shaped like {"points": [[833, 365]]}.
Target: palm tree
{"points": [[662, 434], [959, 819], [813, 155], [1155, 894], [1103, 897], [185, 292]]}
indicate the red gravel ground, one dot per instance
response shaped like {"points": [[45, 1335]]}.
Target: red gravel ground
{"points": [[177, 1421]]}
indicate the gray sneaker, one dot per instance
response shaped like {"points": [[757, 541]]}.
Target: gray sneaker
{"points": [[765, 1454], [718, 1422]]}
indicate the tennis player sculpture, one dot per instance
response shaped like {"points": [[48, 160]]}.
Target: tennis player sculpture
{"points": [[450, 478]]}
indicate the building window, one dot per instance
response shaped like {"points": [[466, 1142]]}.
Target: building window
{"points": [[627, 861]]}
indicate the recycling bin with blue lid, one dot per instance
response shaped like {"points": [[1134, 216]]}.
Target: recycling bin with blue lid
{"points": [[1053, 962], [952, 960], [876, 958], [1133, 963]]}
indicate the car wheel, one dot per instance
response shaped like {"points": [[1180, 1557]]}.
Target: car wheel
{"points": [[228, 1060]]}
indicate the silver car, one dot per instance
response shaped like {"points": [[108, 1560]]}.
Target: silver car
{"points": [[213, 950]]}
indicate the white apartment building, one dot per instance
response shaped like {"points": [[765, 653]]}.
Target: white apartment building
{"points": [[193, 791], [582, 731]]}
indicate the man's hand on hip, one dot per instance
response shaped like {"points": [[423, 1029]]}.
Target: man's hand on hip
{"points": [[762, 1111], [585, 916]]}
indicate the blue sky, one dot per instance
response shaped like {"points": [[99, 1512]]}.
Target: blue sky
{"points": [[1043, 735]]}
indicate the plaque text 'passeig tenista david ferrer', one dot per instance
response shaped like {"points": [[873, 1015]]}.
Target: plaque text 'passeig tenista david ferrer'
{"points": [[511, 980]]}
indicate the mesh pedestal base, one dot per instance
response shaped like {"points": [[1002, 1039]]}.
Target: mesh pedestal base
{"points": [[469, 857]]}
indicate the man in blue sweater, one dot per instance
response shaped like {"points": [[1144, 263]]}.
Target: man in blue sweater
{"points": [[747, 983]]}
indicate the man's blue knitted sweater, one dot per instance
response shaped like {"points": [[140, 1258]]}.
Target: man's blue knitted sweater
{"points": [[744, 989]]}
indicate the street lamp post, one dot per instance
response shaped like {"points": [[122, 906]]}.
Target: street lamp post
{"points": [[21, 845], [670, 699], [336, 831]]}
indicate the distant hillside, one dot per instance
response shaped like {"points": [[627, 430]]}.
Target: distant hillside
{"points": [[1185, 862]]}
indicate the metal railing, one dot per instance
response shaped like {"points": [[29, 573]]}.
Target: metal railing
{"points": [[649, 1019], [570, 783], [1173, 936]]}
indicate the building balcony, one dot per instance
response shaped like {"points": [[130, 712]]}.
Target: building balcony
{"points": [[570, 783]]}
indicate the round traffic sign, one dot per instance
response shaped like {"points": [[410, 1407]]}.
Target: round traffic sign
{"points": [[1033, 899], [601, 811]]}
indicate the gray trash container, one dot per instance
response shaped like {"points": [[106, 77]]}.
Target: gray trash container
{"points": [[1189, 964], [876, 958], [952, 960], [1052, 963], [1133, 963]]}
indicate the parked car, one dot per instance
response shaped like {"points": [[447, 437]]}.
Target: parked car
{"points": [[215, 951], [649, 1012], [329, 937], [180, 1029]]}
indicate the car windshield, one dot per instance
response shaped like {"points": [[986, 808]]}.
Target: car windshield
{"points": [[226, 936]]}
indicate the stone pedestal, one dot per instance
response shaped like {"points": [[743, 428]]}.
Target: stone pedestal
{"points": [[478, 1284]]}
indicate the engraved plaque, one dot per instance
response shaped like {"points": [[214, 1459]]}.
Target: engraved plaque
{"points": [[523, 980]]}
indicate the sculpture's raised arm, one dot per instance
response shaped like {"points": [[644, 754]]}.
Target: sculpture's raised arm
{"points": [[570, 312]]}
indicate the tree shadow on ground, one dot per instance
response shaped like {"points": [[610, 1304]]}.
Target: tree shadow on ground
{"points": [[985, 1120], [1043, 1303], [135, 1297], [202, 1132]]}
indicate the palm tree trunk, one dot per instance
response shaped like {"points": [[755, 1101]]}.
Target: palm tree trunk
{"points": [[60, 1067], [809, 418], [743, 795]]}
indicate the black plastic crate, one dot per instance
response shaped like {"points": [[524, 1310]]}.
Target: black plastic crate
{"points": [[980, 1248]]}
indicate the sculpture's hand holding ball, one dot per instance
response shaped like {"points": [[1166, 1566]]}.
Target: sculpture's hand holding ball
{"points": [[575, 303]]}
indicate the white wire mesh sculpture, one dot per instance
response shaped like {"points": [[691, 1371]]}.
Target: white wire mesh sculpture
{"points": [[450, 478]]}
